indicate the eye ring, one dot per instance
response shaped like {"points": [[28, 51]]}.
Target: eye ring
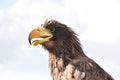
{"points": [[52, 29]]}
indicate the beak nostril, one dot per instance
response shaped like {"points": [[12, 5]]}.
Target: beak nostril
{"points": [[38, 30]]}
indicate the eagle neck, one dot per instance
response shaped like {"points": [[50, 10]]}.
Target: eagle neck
{"points": [[62, 56]]}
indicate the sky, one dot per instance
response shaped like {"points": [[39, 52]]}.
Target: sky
{"points": [[97, 23]]}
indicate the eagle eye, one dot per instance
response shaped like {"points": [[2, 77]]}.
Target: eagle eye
{"points": [[52, 28]]}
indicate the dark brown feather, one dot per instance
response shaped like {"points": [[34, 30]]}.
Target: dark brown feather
{"points": [[67, 60]]}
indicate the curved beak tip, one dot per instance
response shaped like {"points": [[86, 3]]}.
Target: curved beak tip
{"points": [[29, 40], [39, 36]]}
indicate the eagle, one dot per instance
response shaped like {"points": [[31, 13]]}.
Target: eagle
{"points": [[67, 60]]}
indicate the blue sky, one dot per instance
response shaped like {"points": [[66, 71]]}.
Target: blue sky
{"points": [[97, 22]]}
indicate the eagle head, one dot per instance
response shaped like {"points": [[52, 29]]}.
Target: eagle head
{"points": [[52, 35]]}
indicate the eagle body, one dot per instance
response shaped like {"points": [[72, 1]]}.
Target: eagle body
{"points": [[67, 60]]}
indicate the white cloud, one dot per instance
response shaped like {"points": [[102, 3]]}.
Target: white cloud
{"points": [[80, 7], [11, 74], [33, 14], [102, 18], [1, 13], [103, 21]]}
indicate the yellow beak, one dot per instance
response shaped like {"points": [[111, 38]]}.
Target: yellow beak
{"points": [[39, 35]]}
